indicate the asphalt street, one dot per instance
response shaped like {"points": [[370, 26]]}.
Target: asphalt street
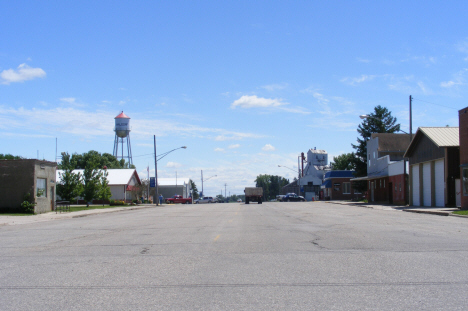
{"points": [[273, 256]]}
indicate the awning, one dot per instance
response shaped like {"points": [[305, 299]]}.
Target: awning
{"points": [[326, 184], [361, 178]]}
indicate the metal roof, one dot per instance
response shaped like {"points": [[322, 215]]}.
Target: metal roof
{"points": [[442, 136]]}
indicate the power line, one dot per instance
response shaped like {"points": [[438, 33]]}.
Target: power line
{"points": [[435, 104]]}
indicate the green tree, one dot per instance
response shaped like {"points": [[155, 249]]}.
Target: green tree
{"points": [[78, 161], [271, 185], [70, 186], [195, 190], [379, 121], [345, 161], [91, 177], [9, 157], [104, 193]]}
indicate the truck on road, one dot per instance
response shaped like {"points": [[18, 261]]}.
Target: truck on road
{"points": [[179, 199], [253, 194]]}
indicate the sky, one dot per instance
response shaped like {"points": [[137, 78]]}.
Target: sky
{"points": [[245, 85]]}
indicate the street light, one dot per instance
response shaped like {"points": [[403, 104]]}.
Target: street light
{"points": [[298, 181], [202, 180], [156, 159]]}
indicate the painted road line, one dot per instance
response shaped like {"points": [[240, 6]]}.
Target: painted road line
{"points": [[217, 237]]}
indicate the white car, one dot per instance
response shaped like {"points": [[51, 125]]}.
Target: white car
{"points": [[205, 200]]}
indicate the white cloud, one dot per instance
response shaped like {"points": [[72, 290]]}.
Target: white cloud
{"points": [[173, 165], [361, 79], [268, 147], [219, 150], [69, 100], [253, 101], [21, 74], [274, 87], [234, 146], [458, 79]]}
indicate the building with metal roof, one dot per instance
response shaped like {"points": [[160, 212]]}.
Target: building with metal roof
{"points": [[434, 160]]}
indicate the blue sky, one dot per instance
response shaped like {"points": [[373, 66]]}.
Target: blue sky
{"points": [[245, 85]]}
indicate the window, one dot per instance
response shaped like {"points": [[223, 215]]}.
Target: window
{"points": [[465, 181], [41, 188], [346, 188], [374, 154], [384, 183]]}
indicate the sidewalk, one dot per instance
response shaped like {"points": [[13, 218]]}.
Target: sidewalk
{"points": [[21, 220], [441, 211]]}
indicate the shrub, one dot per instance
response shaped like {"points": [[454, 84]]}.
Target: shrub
{"points": [[27, 206], [116, 202]]}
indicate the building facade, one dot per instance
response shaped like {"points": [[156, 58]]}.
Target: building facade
{"points": [[463, 140], [337, 185], [311, 180], [434, 159], [27, 177], [387, 169]]}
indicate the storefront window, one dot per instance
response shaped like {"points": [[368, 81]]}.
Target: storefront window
{"points": [[41, 188]]}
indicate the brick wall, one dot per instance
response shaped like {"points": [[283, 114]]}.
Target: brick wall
{"points": [[463, 128]]}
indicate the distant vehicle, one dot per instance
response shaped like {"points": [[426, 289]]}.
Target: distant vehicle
{"points": [[179, 199], [253, 194], [279, 197], [292, 197], [205, 200], [239, 200]]}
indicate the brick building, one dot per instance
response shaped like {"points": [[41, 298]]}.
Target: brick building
{"points": [[18, 178], [463, 137]]}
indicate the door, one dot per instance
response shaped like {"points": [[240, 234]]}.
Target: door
{"points": [[372, 191], [427, 184], [52, 199], [439, 183], [458, 192], [415, 184], [390, 193]]}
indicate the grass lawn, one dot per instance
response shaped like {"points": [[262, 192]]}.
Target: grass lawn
{"points": [[464, 212], [15, 214]]}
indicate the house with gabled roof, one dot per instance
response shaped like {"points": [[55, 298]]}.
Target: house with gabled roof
{"points": [[434, 166], [121, 182]]}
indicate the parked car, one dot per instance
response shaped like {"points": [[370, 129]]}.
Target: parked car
{"points": [[239, 200], [205, 200], [292, 197], [280, 197]]}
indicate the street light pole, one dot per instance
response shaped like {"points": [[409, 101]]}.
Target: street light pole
{"points": [[156, 172], [156, 166]]}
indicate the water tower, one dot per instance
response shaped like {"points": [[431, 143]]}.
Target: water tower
{"points": [[122, 134]]}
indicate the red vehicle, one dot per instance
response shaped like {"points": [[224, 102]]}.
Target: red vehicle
{"points": [[179, 199]]}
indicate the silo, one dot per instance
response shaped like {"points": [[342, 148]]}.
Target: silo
{"points": [[122, 134]]}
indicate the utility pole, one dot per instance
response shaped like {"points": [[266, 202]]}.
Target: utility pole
{"points": [[410, 118], [156, 172], [225, 185], [201, 183]]}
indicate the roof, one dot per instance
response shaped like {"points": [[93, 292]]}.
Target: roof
{"points": [[392, 142], [442, 137], [339, 174], [115, 176], [122, 116], [317, 151]]}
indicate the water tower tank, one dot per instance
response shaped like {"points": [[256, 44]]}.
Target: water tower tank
{"points": [[122, 125]]}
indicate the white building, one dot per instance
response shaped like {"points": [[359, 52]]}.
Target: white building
{"points": [[169, 187], [121, 182], [317, 166]]}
